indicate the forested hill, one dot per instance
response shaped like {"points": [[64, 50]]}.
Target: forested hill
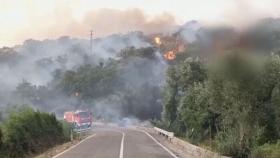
{"points": [[125, 74], [59, 75]]}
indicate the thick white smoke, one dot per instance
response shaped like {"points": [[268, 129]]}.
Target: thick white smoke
{"points": [[36, 60]]}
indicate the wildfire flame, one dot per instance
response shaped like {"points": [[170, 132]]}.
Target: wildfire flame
{"points": [[170, 55], [170, 46], [157, 40]]}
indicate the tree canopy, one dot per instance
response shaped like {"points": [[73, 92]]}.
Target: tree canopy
{"points": [[233, 102]]}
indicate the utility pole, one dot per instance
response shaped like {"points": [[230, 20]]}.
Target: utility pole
{"points": [[91, 35]]}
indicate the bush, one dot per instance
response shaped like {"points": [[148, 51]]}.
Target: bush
{"points": [[267, 151], [27, 132], [229, 144], [1, 142], [67, 127]]}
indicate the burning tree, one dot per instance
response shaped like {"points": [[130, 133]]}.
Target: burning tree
{"points": [[170, 45]]}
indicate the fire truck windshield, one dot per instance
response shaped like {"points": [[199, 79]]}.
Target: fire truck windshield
{"points": [[84, 114]]}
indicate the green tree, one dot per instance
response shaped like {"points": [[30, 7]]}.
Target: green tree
{"points": [[171, 97], [194, 112], [89, 81], [191, 71], [26, 91], [233, 100]]}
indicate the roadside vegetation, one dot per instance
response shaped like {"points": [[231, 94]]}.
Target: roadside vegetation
{"points": [[231, 103], [27, 132]]}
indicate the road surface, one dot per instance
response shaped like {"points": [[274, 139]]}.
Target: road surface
{"points": [[116, 142]]}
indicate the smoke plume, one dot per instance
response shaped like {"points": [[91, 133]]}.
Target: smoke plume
{"points": [[103, 22]]}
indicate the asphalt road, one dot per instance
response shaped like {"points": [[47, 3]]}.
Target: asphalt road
{"points": [[115, 142]]}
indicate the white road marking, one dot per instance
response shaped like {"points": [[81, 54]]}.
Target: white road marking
{"points": [[166, 149], [122, 142], [121, 148], [73, 146]]}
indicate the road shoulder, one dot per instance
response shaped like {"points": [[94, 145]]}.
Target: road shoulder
{"points": [[58, 149]]}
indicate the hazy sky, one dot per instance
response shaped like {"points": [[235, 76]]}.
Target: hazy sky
{"points": [[41, 19]]}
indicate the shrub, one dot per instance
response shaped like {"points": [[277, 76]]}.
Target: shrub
{"points": [[27, 132], [227, 144], [267, 151], [67, 127]]}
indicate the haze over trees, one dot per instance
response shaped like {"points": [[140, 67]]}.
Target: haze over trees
{"points": [[231, 100], [221, 90]]}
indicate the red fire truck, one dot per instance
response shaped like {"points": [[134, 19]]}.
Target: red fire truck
{"points": [[81, 120]]}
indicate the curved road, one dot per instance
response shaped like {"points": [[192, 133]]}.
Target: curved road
{"points": [[114, 142]]}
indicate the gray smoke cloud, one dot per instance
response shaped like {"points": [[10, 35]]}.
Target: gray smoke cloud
{"points": [[141, 78], [36, 61]]}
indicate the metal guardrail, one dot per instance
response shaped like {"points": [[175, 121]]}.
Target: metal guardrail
{"points": [[187, 147], [169, 135]]}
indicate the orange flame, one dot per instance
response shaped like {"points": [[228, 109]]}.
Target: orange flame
{"points": [[170, 55], [157, 40]]}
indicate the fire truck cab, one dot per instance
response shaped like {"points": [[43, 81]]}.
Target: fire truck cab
{"points": [[81, 120]]}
